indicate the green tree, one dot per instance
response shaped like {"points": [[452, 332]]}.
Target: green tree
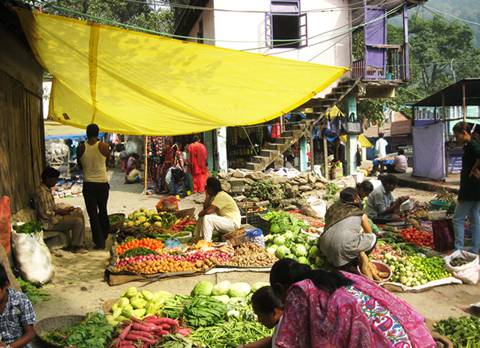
{"points": [[434, 43], [139, 13]]}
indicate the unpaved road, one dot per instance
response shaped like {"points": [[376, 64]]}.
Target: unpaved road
{"points": [[78, 286]]}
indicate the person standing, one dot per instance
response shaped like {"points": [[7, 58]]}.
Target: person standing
{"points": [[469, 194], [93, 157], [198, 164], [381, 146]]}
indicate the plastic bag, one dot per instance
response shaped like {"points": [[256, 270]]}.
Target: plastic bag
{"points": [[169, 203], [469, 273], [255, 235], [33, 257], [5, 225]]}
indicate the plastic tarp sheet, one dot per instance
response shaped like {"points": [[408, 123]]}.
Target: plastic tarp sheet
{"points": [[130, 82], [429, 151]]}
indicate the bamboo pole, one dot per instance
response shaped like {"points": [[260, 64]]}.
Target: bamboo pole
{"points": [[145, 188], [325, 157]]}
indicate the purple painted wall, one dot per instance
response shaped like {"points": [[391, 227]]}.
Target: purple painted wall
{"points": [[375, 34]]}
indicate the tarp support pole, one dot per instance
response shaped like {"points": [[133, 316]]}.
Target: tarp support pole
{"points": [[312, 151], [145, 184], [92, 66], [325, 156], [303, 155], [464, 97]]}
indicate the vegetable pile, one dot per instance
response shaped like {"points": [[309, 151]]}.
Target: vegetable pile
{"points": [[29, 227], [147, 333], [217, 315], [417, 237], [265, 190], [416, 270], [34, 293], [93, 332], [251, 255], [287, 239], [464, 332]]}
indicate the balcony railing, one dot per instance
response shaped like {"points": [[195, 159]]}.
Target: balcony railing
{"points": [[393, 64]]}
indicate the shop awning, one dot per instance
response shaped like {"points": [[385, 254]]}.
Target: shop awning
{"points": [[135, 83], [55, 130]]}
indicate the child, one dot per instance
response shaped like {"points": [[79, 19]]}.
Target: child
{"points": [[16, 316], [269, 310]]}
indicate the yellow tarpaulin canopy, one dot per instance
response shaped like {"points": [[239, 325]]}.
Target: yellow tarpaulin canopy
{"points": [[362, 140], [135, 83]]}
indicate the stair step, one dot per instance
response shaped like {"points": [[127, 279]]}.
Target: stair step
{"points": [[288, 134], [253, 166], [346, 82], [280, 140], [268, 153], [260, 159], [328, 102], [271, 146], [334, 95], [320, 109]]}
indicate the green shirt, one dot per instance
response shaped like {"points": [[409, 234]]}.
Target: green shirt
{"points": [[469, 186]]}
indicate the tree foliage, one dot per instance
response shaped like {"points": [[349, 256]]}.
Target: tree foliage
{"points": [[439, 50], [139, 13]]}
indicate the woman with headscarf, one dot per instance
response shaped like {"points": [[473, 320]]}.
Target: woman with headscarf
{"points": [[342, 310]]}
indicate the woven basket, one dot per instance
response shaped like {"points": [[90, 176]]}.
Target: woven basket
{"points": [[235, 238], [119, 224], [53, 323]]}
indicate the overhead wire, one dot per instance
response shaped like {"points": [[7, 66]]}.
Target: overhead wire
{"points": [[437, 11], [282, 42], [204, 8]]}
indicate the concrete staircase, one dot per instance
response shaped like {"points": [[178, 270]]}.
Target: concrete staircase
{"points": [[275, 149]]}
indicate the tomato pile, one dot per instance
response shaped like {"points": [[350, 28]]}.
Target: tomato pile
{"points": [[146, 243], [417, 237]]}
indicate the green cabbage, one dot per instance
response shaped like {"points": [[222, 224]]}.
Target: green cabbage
{"points": [[259, 285], [279, 240], [203, 288], [221, 288], [224, 298], [274, 228], [289, 235], [303, 260], [313, 252], [239, 290], [300, 250], [271, 249], [282, 252]]}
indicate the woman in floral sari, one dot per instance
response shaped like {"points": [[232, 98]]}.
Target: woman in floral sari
{"points": [[342, 310]]}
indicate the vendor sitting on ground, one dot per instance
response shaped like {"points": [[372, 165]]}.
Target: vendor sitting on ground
{"points": [[134, 176], [400, 163], [348, 237], [17, 316], [382, 207], [220, 212], [59, 218]]}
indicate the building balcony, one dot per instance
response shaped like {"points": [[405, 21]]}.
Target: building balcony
{"points": [[383, 63]]}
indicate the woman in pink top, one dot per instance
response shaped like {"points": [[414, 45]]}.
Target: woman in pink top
{"points": [[342, 310]]}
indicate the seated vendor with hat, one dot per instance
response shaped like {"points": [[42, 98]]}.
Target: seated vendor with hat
{"points": [[59, 218], [220, 212]]}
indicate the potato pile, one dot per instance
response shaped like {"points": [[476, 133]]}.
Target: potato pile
{"points": [[251, 255]]}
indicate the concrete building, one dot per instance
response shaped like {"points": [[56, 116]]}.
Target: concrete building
{"points": [[317, 31]]}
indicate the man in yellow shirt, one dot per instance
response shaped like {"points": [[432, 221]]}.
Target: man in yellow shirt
{"points": [[220, 212]]}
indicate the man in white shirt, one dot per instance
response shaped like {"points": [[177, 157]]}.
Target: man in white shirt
{"points": [[381, 146]]}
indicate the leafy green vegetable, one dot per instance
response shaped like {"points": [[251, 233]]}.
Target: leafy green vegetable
{"points": [[464, 332], [204, 311], [331, 191], [202, 288], [92, 332], [230, 334], [29, 227], [34, 294]]}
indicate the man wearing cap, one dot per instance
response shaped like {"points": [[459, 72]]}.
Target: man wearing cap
{"points": [[59, 218]]}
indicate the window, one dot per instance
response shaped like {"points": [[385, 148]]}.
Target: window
{"points": [[200, 32], [286, 27]]}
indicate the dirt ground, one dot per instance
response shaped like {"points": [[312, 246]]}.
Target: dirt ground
{"points": [[78, 286]]}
